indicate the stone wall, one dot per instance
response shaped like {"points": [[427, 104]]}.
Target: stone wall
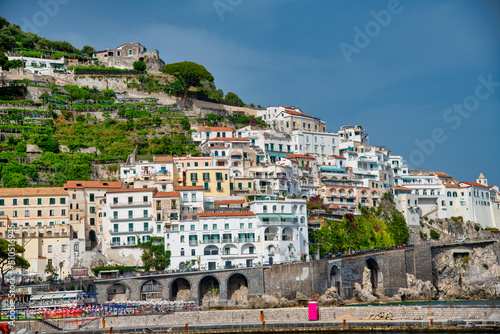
{"points": [[286, 280], [283, 315]]}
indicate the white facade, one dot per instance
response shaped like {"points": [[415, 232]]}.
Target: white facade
{"points": [[318, 144], [272, 229], [128, 215], [203, 133], [39, 66]]}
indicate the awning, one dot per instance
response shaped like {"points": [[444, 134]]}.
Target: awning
{"points": [[335, 207], [287, 216], [273, 155], [331, 169], [281, 156], [268, 215]]}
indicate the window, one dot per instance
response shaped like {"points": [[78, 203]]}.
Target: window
{"points": [[92, 221], [214, 226], [182, 227], [26, 201], [62, 200], [218, 176], [63, 212], [27, 213], [219, 186], [130, 52], [130, 214], [196, 164], [205, 227], [206, 176], [206, 186], [115, 200], [115, 228], [14, 201], [183, 238], [145, 198], [115, 241], [130, 227], [91, 197], [63, 248], [14, 213], [52, 201], [2, 201], [76, 248], [145, 213], [115, 214], [206, 164], [189, 164], [193, 197], [131, 240], [52, 223], [92, 209], [185, 197], [146, 226], [130, 200], [194, 177], [192, 227], [242, 226], [182, 251], [250, 225], [51, 212], [193, 252]]}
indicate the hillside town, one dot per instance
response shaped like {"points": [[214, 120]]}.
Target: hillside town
{"points": [[241, 203]]}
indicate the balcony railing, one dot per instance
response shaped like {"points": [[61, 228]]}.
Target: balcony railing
{"points": [[193, 242], [124, 204]]}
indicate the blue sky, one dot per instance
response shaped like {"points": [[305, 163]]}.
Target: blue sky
{"points": [[408, 69]]}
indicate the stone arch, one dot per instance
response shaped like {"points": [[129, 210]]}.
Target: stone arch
{"points": [[375, 275], [90, 288], [208, 289], [151, 290], [118, 292], [237, 287], [180, 289], [335, 278]]}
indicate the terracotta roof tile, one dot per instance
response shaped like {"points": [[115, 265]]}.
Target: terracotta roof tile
{"points": [[184, 188], [227, 202], [163, 159], [92, 184], [476, 184], [42, 191], [229, 139], [167, 194], [226, 214], [400, 188], [301, 156], [215, 128], [130, 190], [337, 157]]}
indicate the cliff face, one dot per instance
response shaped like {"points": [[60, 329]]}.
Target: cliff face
{"points": [[467, 272]]}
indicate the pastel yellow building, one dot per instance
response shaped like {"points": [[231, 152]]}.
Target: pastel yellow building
{"points": [[215, 180]]}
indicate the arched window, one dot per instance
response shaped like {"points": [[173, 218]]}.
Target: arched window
{"points": [[168, 246], [216, 153], [182, 238], [454, 194], [302, 209], [264, 208], [294, 209], [275, 208], [448, 194], [302, 220], [443, 203], [182, 251], [223, 153], [282, 208]]}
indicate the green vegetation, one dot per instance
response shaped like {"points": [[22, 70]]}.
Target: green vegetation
{"points": [[154, 255], [140, 66], [485, 265], [237, 120], [434, 235], [189, 74], [383, 227], [121, 269], [14, 260], [423, 235]]}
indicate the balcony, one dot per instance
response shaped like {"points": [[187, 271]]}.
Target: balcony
{"points": [[129, 204], [131, 218], [131, 232], [193, 242]]}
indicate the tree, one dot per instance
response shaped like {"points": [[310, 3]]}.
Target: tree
{"points": [[232, 98], [189, 74], [140, 66], [185, 123], [154, 256], [51, 270], [12, 261], [88, 50]]}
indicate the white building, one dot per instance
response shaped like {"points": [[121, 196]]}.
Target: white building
{"points": [[158, 173], [272, 232], [128, 215], [318, 144], [203, 133], [39, 66]]}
